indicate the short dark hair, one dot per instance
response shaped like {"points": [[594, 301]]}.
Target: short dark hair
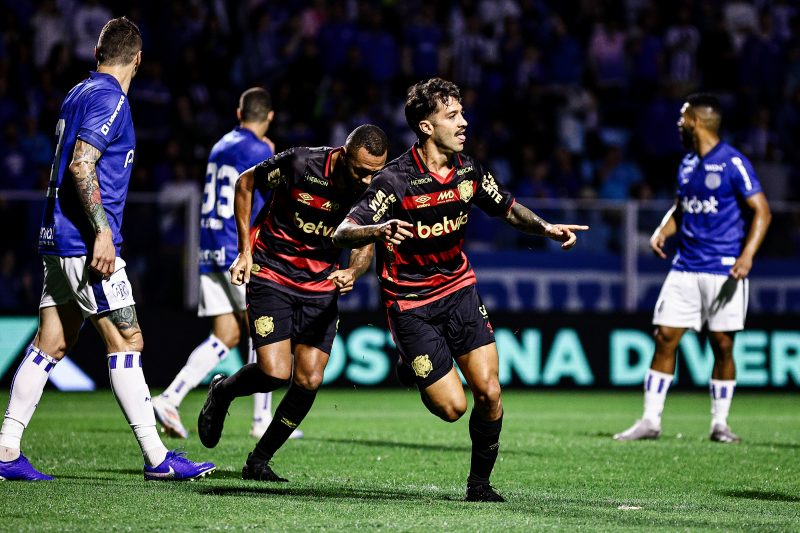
{"points": [[423, 97], [119, 42], [710, 101], [255, 104], [370, 137]]}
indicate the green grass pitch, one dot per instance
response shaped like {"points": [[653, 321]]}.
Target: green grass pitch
{"points": [[376, 459]]}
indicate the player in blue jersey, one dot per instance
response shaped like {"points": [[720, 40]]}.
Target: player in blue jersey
{"points": [[84, 277], [708, 280], [240, 149]]}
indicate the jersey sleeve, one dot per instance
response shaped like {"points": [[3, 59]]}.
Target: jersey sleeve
{"points": [[743, 177], [280, 168], [492, 197], [104, 116], [377, 204]]}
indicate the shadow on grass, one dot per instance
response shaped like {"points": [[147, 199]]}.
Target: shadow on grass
{"points": [[760, 495], [419, 445], [338, 493], [788, 445]]}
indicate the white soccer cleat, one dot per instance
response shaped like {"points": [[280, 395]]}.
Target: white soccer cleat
{"points": [[723, 433], [257, 430], [641, 429], [169, 418]]}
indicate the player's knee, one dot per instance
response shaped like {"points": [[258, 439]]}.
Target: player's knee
{"points": [[453, 411], [666, 338], [133, 339], [488, 396], [229, 337], [309, 380], [724, 346]]}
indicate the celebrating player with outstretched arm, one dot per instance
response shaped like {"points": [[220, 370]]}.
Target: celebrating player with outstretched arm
{"points": [[294, 279], [708, 280], [417, 210], [84, 277]]}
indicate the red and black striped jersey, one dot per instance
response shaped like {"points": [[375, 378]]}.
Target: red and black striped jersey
{"points": [[293, 244], [432, 264]]}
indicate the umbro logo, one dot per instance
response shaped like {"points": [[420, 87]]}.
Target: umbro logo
{"points": [[423, 201], [305, 198]]}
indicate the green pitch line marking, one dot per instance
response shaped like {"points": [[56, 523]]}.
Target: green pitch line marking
{"points": [[15, 333]]}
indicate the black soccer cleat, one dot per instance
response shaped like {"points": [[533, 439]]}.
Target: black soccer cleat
{"points": [[482, 493], [259, 471], [212, 415], [404, 373]]}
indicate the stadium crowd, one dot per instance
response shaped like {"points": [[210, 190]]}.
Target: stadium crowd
{"points": [[568, 99]]}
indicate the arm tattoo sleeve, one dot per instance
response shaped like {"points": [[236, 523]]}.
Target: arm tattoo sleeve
{"points": [[525, 220], [83, 168], [360, 259], [124, 318]]}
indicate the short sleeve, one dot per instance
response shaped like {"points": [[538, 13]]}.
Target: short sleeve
{"points": [[492, 197], [743, 177], [282, 163], [377, 204], [106, 113]]}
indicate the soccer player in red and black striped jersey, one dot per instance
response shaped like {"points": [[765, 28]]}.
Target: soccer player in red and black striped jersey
{"points": [[294, 279], [417, 209]]}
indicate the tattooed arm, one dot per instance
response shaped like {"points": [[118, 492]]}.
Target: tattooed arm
{"points": [[84, 172], [360, 259], [352, 235], [527, 221]]}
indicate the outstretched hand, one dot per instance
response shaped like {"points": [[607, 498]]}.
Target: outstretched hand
{"points": [[564, 233], [240, 269], [395, 231]]}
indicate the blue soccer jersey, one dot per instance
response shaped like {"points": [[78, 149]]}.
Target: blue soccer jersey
{"points": [[95, 111], [237, 151], [711, 194]]}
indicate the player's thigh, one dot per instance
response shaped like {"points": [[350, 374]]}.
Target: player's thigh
{"points": [[315, 322], [275, 359], [309, 366], [679, 303], [445, 397], [421, 343], [227, 328], [269, 313], [69, 279], [724, 302], [59, 326], [480, 369], [120, 330]]}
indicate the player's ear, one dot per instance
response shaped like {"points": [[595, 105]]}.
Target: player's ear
{"points": [[239, 114], [270, 116], [426, 127]]}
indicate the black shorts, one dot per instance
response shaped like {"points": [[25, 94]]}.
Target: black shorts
{"points": [[430, 336], [275, 315]]}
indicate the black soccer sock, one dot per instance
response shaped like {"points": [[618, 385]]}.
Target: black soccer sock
{"points": [[290, 412], [485, 437], [248, 380]]}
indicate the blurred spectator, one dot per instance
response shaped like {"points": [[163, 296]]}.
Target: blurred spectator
{"points": [[88, 19]]}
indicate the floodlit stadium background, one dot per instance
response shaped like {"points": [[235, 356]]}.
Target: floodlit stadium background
{"points": [[572, 104]]}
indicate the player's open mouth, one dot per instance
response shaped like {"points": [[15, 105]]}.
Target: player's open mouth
{"points": [[461, 137]]}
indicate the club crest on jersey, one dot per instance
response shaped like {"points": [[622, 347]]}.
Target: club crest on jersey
{"points": [[422, 365], [713, 180], [255, 269], [264, 325], [465, 190]]}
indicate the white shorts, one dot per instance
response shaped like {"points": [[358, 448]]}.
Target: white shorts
{"points": [[688, 299], [218, 296], [69, 278]]}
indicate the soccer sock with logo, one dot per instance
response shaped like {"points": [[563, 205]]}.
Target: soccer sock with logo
{"points": [[656, 385], [485, 437], [262, 401], [290, 412], [201, 361], [133, 396], [26, 391], [721, 392], [248, 380]]}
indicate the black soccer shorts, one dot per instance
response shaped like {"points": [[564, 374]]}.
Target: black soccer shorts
{"points": [[275, 315], [430, 336]]}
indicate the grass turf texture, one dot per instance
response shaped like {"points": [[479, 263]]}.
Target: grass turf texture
{"points": [[376, 459]]}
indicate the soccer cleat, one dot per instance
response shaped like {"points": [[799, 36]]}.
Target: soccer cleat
{"points": [[260, 471], [176, 467], [212, 415], [257, 430], [20, 469], [642, 429], [482, 493], [169, 418], [722, 433]]}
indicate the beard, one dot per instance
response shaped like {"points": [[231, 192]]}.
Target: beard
{"points": [[687, 139]]}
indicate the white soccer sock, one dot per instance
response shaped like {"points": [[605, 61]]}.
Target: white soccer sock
{"points": [[262, 401], [133, 396], [721, 392], [656, 385], [201, 361], [26, 391]]}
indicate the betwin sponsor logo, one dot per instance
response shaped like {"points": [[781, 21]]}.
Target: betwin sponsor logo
{"points": [[447, 225], [311, 228]]}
